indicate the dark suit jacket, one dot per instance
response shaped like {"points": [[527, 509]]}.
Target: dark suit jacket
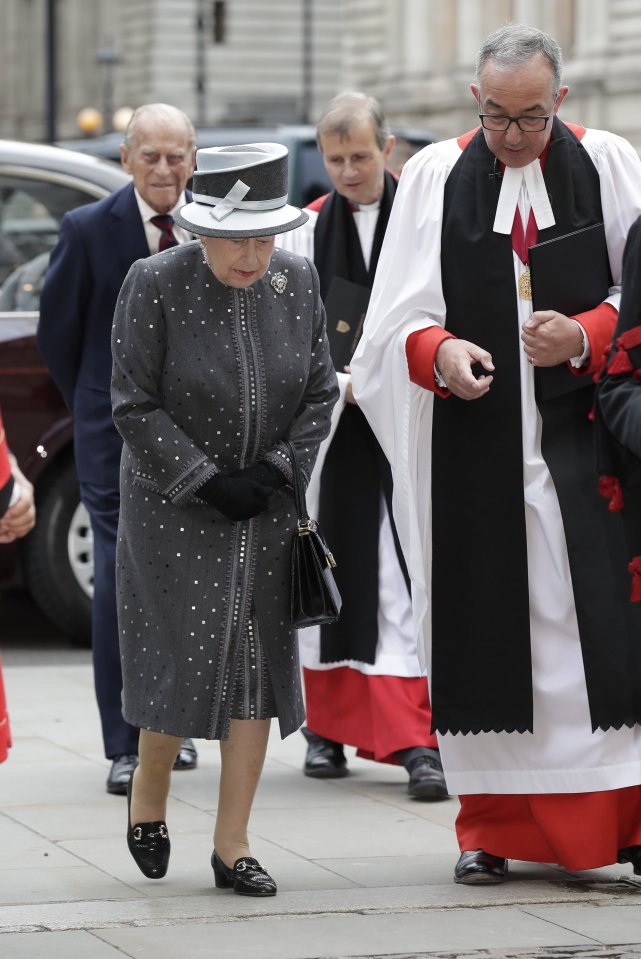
{"points": [[97, 245]]}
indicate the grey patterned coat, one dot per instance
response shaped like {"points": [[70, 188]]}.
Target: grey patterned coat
{"points": [[208, 378]]}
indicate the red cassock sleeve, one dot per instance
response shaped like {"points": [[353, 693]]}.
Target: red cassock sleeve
{"points": [[420, 349], [599, 325], [5, 465]]}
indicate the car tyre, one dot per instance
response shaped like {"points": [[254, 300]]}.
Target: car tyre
{"points": [[58, 554]]}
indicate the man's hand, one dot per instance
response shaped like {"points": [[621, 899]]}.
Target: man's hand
{"points": [[349, 392], [21, 517], [454, 360], [550, 338]]}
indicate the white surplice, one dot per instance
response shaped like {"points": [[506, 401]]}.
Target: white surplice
{"points": [[561, 754], [396, 647]]}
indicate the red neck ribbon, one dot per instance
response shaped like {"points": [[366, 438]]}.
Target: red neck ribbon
{"points": [[522, 239]]}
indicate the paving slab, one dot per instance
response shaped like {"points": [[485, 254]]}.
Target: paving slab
{"points": [[57, 945], [190, 871], [156, 903], [338, 832], [61, 781], [354, 935], [21, 848], [434, 869], [102, 819], [61, 884], [611, 925]]}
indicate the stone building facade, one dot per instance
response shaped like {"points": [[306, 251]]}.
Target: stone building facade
{"points": [[419, 58], [265, 61]]}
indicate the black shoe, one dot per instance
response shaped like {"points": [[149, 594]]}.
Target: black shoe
{"points": [[247, 878], [427, 781], [187, 757], [631, 854], [324, 758], [148, 843], [122, 768], [476, 867]]}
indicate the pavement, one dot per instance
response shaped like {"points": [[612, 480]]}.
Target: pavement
{"points": [[362, 870]]}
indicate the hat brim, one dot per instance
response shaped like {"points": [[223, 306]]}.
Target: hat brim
{"points": [[197, 218]]}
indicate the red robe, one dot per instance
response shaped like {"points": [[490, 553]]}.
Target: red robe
{"points": [[5, 732]]}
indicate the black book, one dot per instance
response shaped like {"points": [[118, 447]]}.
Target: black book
{"points": [[570, 274], [345, 306]]}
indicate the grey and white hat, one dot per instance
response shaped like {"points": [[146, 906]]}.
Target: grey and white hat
{"points": [[240, 191]]}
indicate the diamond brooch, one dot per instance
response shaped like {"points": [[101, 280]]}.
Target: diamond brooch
{"points": [[279, 282]]}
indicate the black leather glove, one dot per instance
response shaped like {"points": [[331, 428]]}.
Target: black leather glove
{"points": [[262, 472], [237, 497]]}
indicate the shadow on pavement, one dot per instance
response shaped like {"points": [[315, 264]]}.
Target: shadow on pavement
{"points": [[27, 636]]}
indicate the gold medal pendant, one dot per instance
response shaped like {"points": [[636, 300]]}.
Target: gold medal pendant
{"points": [[525, 286]]}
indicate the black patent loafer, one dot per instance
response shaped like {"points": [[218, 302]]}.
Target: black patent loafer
{"points": [[148, 843], [247, 877], [121, 771], [187, 757], [631, 854], [476, 867], [427, 781], [324, 758]]}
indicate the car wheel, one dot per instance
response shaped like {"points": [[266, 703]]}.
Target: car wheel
{"points": [[58, 554]]}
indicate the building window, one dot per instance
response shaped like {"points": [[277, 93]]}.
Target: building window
{"points": [[218, 21]]}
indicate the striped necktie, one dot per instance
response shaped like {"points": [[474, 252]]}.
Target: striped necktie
{"points": [[165, 223]]}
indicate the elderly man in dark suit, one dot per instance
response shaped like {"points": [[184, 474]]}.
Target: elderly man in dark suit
{"points": [[97, 245]]}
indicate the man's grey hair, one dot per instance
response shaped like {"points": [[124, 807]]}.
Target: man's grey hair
{"points": [[515, 44], [347, 110], [162, 112]]}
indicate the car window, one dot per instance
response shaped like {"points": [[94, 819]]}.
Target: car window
{"points": [[314, 179], [31, 209]]}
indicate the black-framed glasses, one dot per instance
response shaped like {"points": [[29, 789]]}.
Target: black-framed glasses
{"points": [[526, 124]]}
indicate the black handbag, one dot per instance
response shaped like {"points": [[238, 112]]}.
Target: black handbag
{"points": [[315, 598]]}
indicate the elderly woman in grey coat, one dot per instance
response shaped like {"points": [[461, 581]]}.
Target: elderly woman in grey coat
{"points": [[220, 355]]}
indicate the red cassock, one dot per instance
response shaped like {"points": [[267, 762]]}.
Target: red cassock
{"points": [[574, 830], [5, 732], [377, 714]]}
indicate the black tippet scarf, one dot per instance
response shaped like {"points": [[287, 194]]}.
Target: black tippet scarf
{"points": [[337, 247], [481, 660], [355, 470]]}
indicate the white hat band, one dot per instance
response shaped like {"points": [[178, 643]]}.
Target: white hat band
{"points": [[223, 206]]}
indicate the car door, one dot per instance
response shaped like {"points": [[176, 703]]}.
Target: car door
{"points": [[56, 559]]}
